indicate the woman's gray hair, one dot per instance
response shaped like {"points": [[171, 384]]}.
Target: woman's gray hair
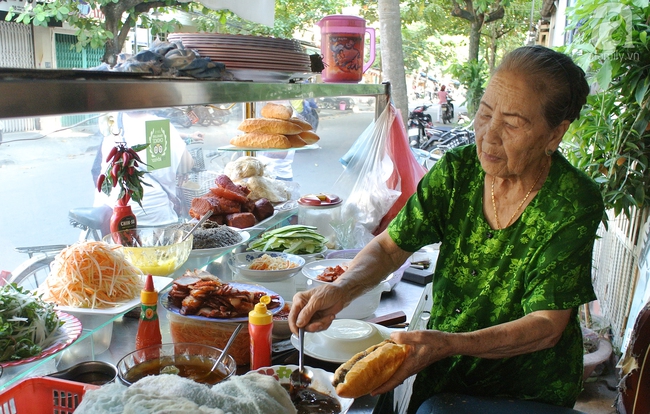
{"points": [[560, 83]]}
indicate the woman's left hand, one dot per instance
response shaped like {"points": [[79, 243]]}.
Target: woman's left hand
{"points": [[424, 348]]}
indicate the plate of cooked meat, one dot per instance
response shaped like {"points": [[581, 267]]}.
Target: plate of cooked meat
{"points": [[203, 296]]}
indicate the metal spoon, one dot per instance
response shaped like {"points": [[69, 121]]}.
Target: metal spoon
{"points": [[224, 352], [301, 377], [197, 225]]}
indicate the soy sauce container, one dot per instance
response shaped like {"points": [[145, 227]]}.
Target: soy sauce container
{"points": [[321, 211]]}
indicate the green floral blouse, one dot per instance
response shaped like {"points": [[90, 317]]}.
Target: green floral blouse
{"points": [[485, 277]]}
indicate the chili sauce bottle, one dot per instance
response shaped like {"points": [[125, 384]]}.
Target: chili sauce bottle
{"points": [[149, 326], [260, 326]]}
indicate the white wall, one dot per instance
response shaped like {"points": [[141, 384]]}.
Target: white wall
{"points": [[558, 24]]}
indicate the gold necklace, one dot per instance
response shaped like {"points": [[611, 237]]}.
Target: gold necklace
{"points": [[494, 204]]}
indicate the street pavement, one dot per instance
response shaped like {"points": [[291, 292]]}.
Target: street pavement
{"points": [[42, 178]]}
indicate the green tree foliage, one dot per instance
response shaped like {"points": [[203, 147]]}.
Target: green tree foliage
{"points": [[111, 31], [508, 33], [478, 13], [472, 75], [290, 16], [122, 15], [611, 140]]}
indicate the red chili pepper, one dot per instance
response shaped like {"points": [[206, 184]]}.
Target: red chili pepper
{"points": [[111, 154], [134, 154], [125, 158], [114, 172], [100, 182]]}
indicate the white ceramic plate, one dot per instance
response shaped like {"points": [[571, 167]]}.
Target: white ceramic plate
{"points": [[321, 381], [342, 340], [313, 269], [159, 283], [71, 329]]}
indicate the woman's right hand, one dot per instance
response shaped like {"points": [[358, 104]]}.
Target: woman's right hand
{"points": [[315, 309]]}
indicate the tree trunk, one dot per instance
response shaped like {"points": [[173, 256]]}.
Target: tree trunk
{"points": [[392, 55], [475, 37], [112, 48], [493, 49]]}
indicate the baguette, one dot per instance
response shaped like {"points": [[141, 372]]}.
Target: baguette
{"points": [[368, 369], [276, 111], [269, 126], [306, 126], [261, 140], [309, 137], [296, 141]]}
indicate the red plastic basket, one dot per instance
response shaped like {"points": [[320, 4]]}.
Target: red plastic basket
{"points": [[43, 395]]}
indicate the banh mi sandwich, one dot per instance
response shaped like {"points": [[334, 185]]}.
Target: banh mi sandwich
{"points": [[368, 369]]}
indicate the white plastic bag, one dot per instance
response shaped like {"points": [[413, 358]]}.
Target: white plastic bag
{"points": [[363, 184]]}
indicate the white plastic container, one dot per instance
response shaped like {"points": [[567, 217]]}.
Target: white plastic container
{"points": [[319, 210]]}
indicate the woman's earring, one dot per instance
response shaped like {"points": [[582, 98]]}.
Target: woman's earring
{"points": [[549, 152]]}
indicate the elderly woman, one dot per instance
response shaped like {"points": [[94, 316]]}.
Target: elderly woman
{"points": [[516, 223]]}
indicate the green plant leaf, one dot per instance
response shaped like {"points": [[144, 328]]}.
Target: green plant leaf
{"points": [[641, 91], [604, 76]]}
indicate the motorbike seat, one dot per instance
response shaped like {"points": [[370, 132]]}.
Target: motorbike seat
{"points": [[449, 403], [91, 219]]}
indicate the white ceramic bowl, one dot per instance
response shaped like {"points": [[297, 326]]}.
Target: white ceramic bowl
{"points": [[200, 258], [313, 269], [392, 279], [342, 340], [360, 308], [321, 381], [240, 263]]}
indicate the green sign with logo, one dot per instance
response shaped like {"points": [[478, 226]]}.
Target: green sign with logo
{"points": [[158, 151]]}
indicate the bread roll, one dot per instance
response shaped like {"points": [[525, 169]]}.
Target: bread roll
{"points": [[296, 141], [368, 369], [269, 126], [261, 140], [306, 126], [309, 137], [276, 111]]}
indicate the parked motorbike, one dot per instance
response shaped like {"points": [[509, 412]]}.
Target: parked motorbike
{"points": [[451, 139], [420, 126], [208, 115], [447, 110], [176, 116]]}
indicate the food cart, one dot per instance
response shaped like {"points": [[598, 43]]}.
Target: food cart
{"points": [[33, 93]]}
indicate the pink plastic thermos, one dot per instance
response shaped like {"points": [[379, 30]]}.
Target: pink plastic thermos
{"points": [[342, 44]]}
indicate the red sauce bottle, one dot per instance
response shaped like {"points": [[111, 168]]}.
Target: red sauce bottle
{"points": [[122, 218], [260, 327], [149, 326]]}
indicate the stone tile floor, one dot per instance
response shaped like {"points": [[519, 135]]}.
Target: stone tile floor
{"points": [[600, 390]]}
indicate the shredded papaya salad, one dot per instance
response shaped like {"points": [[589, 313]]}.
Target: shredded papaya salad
{"points": [[27, 324], [91, 275]]}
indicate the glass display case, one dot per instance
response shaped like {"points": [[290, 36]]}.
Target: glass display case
{"points": [[43, 180]]}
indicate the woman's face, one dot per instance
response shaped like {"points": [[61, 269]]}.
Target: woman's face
{"points": [[511, 132]]}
